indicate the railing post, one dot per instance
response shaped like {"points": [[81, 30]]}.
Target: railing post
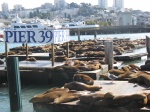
{"points": [[14, 85]]}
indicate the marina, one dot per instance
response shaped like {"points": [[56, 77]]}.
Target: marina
{"points": [[35, 89]]}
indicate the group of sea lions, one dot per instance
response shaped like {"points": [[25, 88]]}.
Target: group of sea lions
{"points": [[69, 92], [85, 94], [132, 73]]}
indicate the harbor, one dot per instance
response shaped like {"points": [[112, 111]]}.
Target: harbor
{"points": [[24, 65]]}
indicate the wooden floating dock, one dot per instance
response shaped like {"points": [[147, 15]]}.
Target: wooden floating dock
{"points": [[34, 72], [129, 56], [118, 88], [38, 56]]}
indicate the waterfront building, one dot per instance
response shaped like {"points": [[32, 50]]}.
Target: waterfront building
{"points": [[5, 8], [124, 19], [103, 4], [17, 7], [59, 4], [119, 4]]}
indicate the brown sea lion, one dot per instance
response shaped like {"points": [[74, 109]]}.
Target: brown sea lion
{"points": [[142, 78], [127, 74], [148, 98], [116, 71], [86, 99], [67, 97], [61, 58], [81, 86], [134, 67], [146, 67], [125, 68], [31, 59], [48, 96], [94, 66], [83, 78], [134, 100]]}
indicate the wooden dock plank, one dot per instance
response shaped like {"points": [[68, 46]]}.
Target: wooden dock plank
{"points": [[129, 56], [117, 88]]}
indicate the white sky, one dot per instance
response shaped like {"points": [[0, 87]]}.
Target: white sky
{"points": [[135, 4]]}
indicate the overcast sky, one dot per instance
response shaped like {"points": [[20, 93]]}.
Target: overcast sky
{"points": [[134, 4]]}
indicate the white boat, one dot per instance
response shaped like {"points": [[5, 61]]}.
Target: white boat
{"points": [[17, 24], [78, 25]]}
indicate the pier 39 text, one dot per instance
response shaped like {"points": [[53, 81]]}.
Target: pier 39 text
{"points": [[36, 36]]}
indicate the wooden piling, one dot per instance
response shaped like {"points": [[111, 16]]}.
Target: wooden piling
{"points": [[78, 34], [148, 45], [53, 53], [109, 54], [95, 34], [26, 51], [67, 45], [13, 78], [6, 49]]}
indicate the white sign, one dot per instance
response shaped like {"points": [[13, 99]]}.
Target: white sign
{"points": [[36, 36]]}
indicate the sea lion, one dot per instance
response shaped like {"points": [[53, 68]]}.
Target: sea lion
{"points": [[134, 67], [146, 67], [67, 97], [116, 71], [31, 59], [125, 68], [61, 58], [134, 100], [148, 98], [81, 86], [142, 78], [127, 74], [48, 96], [83, 78], [86, 99]]}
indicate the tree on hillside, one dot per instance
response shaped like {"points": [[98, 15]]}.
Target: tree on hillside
{"points": [[74, 5], [85, 10]]}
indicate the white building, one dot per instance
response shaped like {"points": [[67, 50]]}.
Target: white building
{"points": [[125, 19], [103, 4], [24, 13], [5, 8], [17, 7], [59, 4], [119, 4]]}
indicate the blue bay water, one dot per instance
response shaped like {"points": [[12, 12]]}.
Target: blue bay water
{"points": [[29, 91]]}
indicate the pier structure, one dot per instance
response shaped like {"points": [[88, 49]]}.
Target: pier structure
{"points": [[112, 30]]}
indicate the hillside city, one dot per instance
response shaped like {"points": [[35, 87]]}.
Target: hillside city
{"points": [[62, 12]]}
